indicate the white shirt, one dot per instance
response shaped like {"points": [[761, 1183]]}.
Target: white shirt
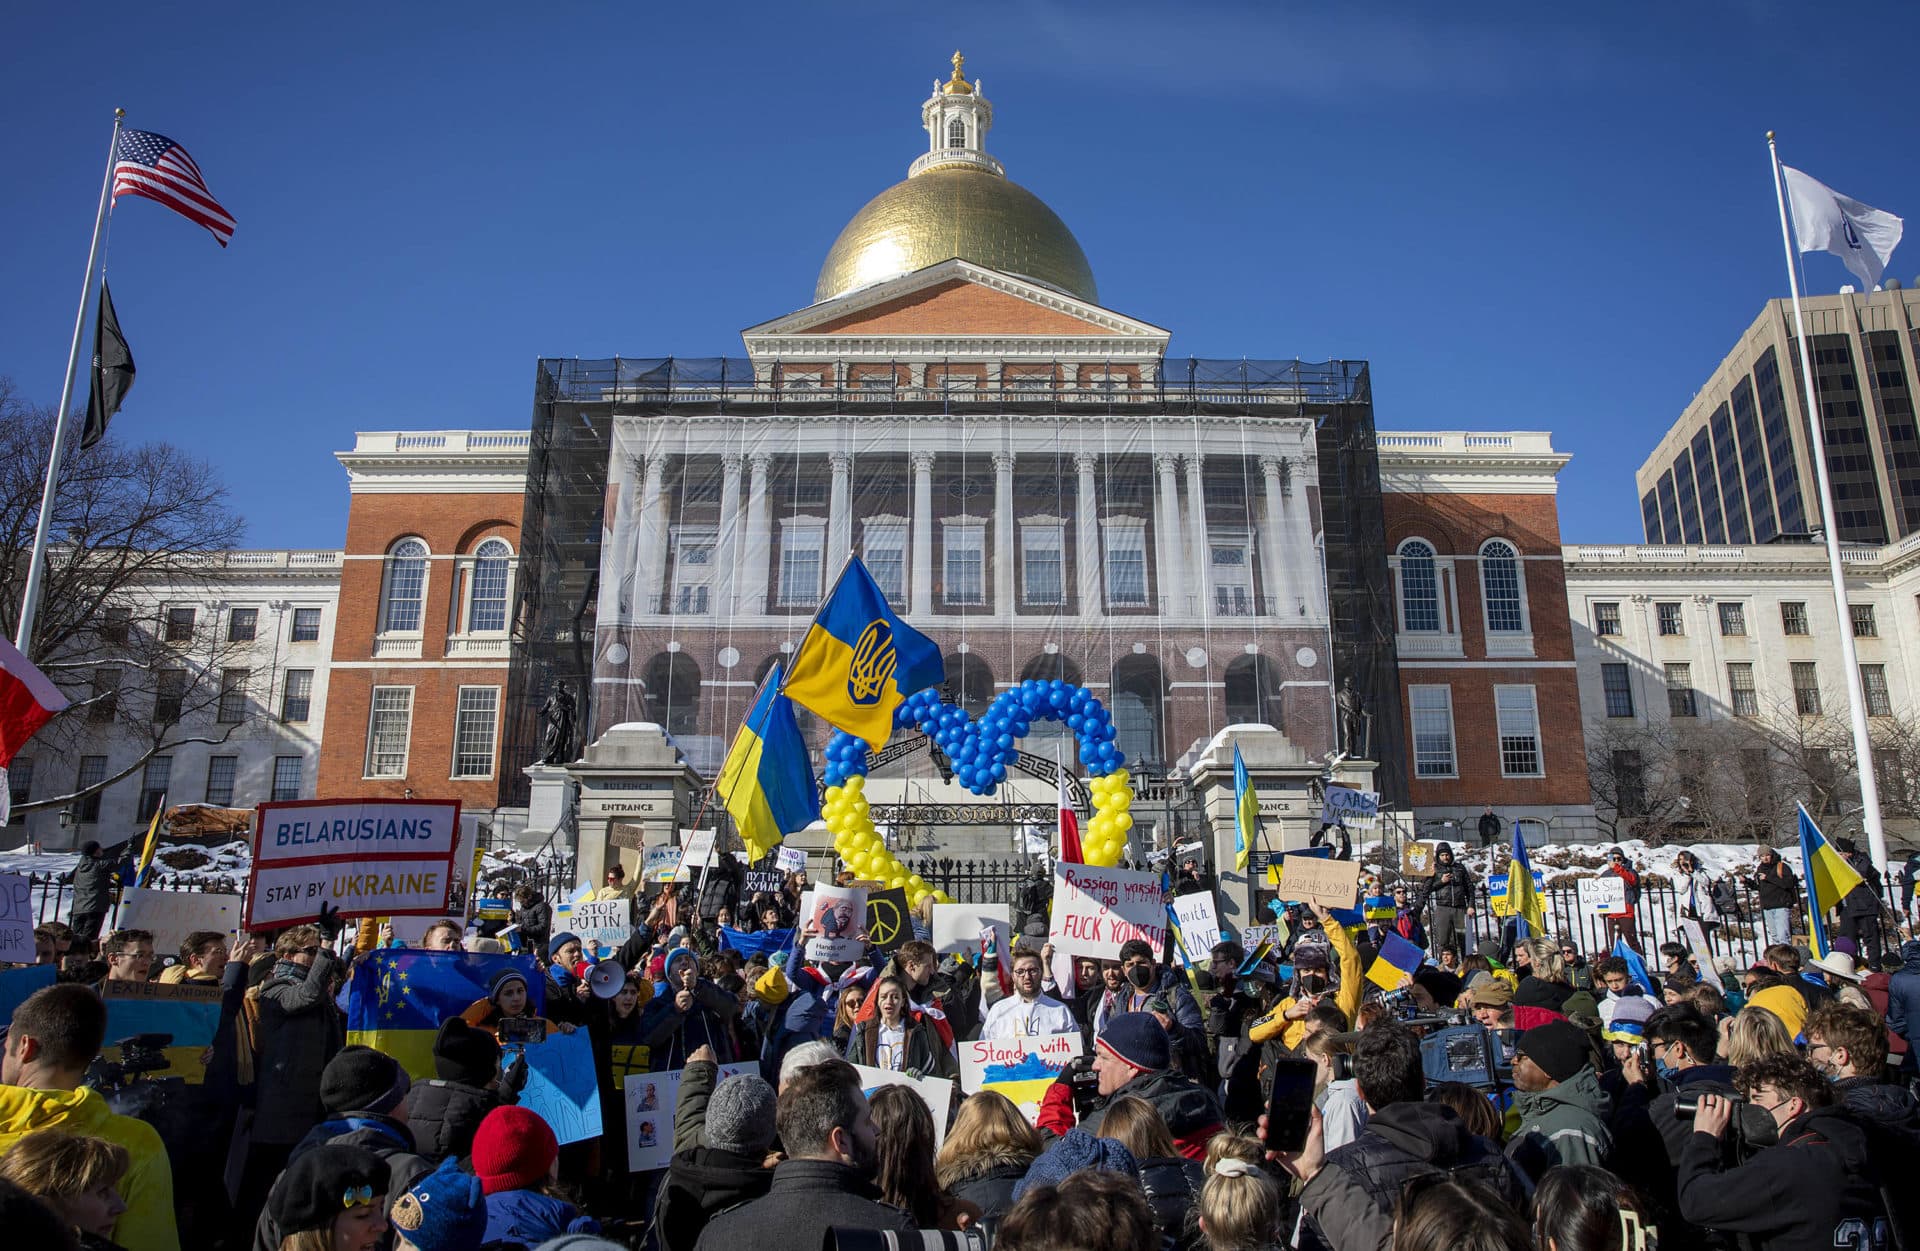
{"points": [[1014, 1017], [891, 1043]]}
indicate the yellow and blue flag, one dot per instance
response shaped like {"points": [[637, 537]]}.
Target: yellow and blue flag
{"points": [[767, 782], [143, 870], [859, 661], [1246, 812], [398, 997], [1396, 962], [1829, 877], [1523, 896]]}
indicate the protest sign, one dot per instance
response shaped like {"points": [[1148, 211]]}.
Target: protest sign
{"points": [[791, 860], [1199, 925], [696, 853], [650, 1102], [1696, 938], [839, 914], [189, 1014], [762, 882], [171, 915], [888, 922], [17, 984], [937, 1091], [562, 1085], [1252, 936], [1316, 879], [409, 931], [1497, 898], [1417, 860], [16, 919], [387, 857], [1346, 806], [1096, 909], [607, 921], [956, 927], [1019, 1068], [660, 864], [1601, 896]]}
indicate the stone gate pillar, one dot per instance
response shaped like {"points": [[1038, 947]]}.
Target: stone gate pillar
{"points": [[635, 792], [1282, 775]]}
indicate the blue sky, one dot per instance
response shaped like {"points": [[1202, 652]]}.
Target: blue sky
{"points": [[1523, 219]]}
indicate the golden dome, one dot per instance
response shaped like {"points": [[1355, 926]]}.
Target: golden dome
{"points": [[956, 211]]}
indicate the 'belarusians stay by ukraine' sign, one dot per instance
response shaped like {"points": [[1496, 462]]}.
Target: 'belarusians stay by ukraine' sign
{"points": [[383, 857]]}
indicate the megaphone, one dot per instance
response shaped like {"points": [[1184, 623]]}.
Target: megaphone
{"points": [[606, 978]]}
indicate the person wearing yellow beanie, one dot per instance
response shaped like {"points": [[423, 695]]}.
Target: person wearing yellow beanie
{"points": [[1784, 1002]]}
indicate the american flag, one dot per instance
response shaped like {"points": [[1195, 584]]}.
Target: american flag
{"points": [[156, 167]]}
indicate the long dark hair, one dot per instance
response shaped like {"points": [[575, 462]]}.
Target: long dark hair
{"points": [[1584, 1208], [903, 1127]]}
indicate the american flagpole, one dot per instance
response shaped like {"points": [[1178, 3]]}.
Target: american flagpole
{"points": [[1856, 697], [37, 565]]}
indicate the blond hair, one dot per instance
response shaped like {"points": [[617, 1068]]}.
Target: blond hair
{"points": [[54, 1165], [989, 1128], [292, 942], [1544, 956], [1754, 1034], [1230, 1145], [309, 1240], [1240, 1204], [1138, 1126]]}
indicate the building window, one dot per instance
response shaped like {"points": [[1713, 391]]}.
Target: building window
{"points": [[1873, 681], [966, 565], [956, 133], [286, 778], [242, 623], [1126, 563], [473, 727], [233, 696], [1806, 688], [180, 625], [169, 693], [1733, 620], [1419, 588], [389, 727], [105, 699], [693, 553], [1500, 586], [153, 785], [1667, 614], [487, 603], [1606, 620], [1680, 699], [1793, 618], [1233, 578], [800, 560], [1518, 717], [1864, 626], [406, 589], [306, 625], [19, 783], [1614, 680], [220, 772], [1629, 784], [116, 623], [885, 551], [1042, 566], [93, 771], [1432, 731], [296, 697], [1746, 700]]}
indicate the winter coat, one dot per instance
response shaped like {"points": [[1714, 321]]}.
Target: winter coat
{"points": [[385, 1137], [673, 1035], [807, 1198], [1882, 1102], [1190, 1110], [1864, 899], [1563, 1124], [1903, 995], [92, 885], [989, 1185], [1696, 897], [147, 1224], [535, 922], [1631, 878], [1450, 888], [1489, 829], [1172, 1185], [300, 1030], [444, 1116], [701, 1182], [1875, 987], [1792, 1197], [529, 1218], [926, 1054], [1777, 888]]}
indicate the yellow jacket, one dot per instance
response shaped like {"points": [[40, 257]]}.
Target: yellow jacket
{"points": [[147, 1224], [1346, 995]]}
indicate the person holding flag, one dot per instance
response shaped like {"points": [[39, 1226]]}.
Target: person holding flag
{"points": [[1523, 897], [1830, 879]]}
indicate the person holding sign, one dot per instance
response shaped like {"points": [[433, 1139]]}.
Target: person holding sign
{"points": [[1287, 1021], [1027, 1013], [899, 1037], [299, 1031]]}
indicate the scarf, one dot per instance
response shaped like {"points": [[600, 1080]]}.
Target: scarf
{"points": [[290, 971]]}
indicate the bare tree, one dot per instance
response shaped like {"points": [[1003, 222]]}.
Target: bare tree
{"points": [[1637, 790]]}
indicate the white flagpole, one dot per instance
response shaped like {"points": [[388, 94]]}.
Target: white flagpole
{"points": [[37, 565], [1856, 697]]}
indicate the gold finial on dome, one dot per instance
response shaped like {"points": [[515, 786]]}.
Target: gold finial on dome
{"points": [[958, 84]]}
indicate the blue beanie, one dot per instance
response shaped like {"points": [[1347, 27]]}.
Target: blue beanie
{"points": [[445, 1211], [1076, 1151], [558, 941], [1137, 1038]]}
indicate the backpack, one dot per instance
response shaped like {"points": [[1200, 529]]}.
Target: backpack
{"points": [[1725, 901]]}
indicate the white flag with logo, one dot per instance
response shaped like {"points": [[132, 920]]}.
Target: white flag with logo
{"points": [[1862, 237]]}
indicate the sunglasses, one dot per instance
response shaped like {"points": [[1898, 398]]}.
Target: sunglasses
{"points": [[310, 951], [356, 1196]]}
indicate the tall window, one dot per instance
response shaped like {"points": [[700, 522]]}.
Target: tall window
{"points": [[1126, 562], [93, 771], [1233, 578], [406, 590], [1733, 619], [1432, 731], [1793, 618], [105, 700], [965, 565], [693, 553], [800, 560], [180, 625], [1606, 620], [1864, 626], [1419, 588], [886, 556], [1043, 581], [473, 727], [487, 605], [1629, 783], [1667, 617], [169, 693], [286, 778], [19, 782], [1873, 681], [296, 697], [306, 625], [220, 771], [1518, 718], [116, 623], [1806, 688], [389, 727], [1746, 700], [956, 133], [233, 696], [153, 784], [1500, 584], [1614, 680], [1680, 700], [242, 624]]}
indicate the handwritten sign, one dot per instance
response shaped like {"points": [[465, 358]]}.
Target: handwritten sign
{"points": [[650, 1102], [1252, 936], [563, 1088], [762, 882], [839, 913], [608, 922], [188, 1014], [1417, 860], [1019, 1068], [1350, 807], [1199, 925], [696, 852], [791, 860], [17, 984], [937, 1091], [1097, 909], [956, 927], [1696, 938], [1601, 896], [16, 919], [660, 864], [170, 915], [889, 924], [1313, 879]]}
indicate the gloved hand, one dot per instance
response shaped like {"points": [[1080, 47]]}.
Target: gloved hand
{"points": [[514, 1079], [1077, 1065], [331, 923]]}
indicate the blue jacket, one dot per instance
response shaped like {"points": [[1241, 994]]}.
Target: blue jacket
{"points": [[530, 1218], [1903, 995]]}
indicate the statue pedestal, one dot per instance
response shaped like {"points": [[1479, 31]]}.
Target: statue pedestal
{"points": [[1282, 776], [550, 805], [635, 792]]}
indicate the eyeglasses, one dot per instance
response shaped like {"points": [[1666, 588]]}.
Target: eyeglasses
{"points": [[356, 1196], [310, 951]]}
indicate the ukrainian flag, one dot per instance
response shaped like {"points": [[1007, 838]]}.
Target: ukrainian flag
{"points": [[1396, 962], [767, 782], [143, 870], [1829, 877], [1246, 812], [399, 996], [1523, 895], [859, 661]]}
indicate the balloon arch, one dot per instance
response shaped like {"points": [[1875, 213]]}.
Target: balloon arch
{"points": [[980, 752]]}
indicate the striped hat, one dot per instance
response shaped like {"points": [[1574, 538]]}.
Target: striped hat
{"points": [[1629, 1021]]}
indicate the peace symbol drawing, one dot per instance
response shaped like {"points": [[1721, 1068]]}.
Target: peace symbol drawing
{"points": [[885, 924]]}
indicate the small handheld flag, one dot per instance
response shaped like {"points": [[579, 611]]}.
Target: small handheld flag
{"points": [[858, 661], [1829, 878], [1396, 962], [1246, 812], [156, 168], [144, 870]]}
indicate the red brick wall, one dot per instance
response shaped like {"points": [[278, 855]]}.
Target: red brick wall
{"points": [[959, 307]]}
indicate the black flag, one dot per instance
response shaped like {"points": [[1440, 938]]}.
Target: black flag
{"points": [[112, 371]]}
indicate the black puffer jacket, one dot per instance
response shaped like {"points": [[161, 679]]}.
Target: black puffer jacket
{"points": [[1191, 1112], [1452, 887], [444, 1116], [991, 1189], [1881, 1102], [1173, 1188], [701, 1184]]}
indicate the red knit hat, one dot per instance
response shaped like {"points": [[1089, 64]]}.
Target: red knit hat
{"points": [[512, 1150]]}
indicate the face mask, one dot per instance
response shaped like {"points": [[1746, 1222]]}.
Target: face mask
{"points": [[1141, 975], [1661, 1067]]}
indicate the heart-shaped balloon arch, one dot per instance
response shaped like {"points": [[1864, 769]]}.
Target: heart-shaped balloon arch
{"points": [[980, 752]]}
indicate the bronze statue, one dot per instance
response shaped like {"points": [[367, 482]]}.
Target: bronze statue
{"points": [[1352, 709], [556, 740]]}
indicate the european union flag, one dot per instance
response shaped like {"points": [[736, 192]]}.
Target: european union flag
{"points": [[859, 661], [1829, 877], [767, 782], [398, 998]]}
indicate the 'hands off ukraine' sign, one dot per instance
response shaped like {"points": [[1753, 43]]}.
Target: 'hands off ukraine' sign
{"points": [[390, 857]]}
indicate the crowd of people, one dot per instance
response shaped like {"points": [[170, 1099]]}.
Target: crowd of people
{"points": [[1624, 1102]]}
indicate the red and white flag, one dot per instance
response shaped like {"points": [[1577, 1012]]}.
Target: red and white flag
{"points": [[28, 700], [1069, 822]]}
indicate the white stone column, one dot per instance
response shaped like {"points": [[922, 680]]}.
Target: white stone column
{"points": [[1310, 583], [839, 513], [921, 594], [1086, 540], [726, 548], [650, 565], [1167, 543], [616, 592], [1201, 551], [1281, 559], [1004, 540], [757, 543]]}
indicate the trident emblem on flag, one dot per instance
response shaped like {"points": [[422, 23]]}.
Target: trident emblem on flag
{"points": [[873, 662]]}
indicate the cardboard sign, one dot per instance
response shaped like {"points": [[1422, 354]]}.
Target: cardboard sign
{"points": [[17, 984], [171, 915], [16, 919], [889, 924], [659, 864], [1417, 860], [762, 882], [1252, 936], [1019, 1068], [1199, 925], [650, 1102], [188, 1012], [1312, 879], [839, 913], [696, 852], [563, 1087], [389, 857], [937, 1091], [1696, 938], [956, 927], [1349, 807], [607, 921], [1601, 896], [1096, 909], [791, 860]]}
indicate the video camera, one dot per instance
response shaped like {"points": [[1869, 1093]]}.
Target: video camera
{"points": [[140, 1053], [973, 1238]]}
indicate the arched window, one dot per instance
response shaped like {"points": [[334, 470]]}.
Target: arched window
{"points": [[487, 602], [956, 133], [673, 693], [1419, 588], [1253, 692], [406, 589], [1139, 693], [1500, 586], [969, 684]]}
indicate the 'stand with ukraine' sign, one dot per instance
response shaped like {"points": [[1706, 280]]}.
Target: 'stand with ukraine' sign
{"points": [[384, 857]]}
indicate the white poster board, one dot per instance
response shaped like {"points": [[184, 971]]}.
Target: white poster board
{"points": [[696, 851], [790, 860], [1019, 1068], [659, 864], [650, 1101], [607, 921], [408, 931], [1252, 936], [956, 927], [16, 919], [937, 1091], [1696, 939], [839, 913], [387, 857], [1097, 909], [171, 915], [1199, 925], [1601, 896]]}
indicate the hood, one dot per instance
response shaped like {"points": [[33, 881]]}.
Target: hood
{"points": [[1183, 1104], [24, 1110], [1581, 1091], [1910, 952], [1841, 1127], [1425, 1131], [1538, 992]]}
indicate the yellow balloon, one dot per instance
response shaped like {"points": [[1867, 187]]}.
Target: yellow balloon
{"points": [[1123, 822], [855, 784], [918, 884], [899, 882], [1122, 800]]}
